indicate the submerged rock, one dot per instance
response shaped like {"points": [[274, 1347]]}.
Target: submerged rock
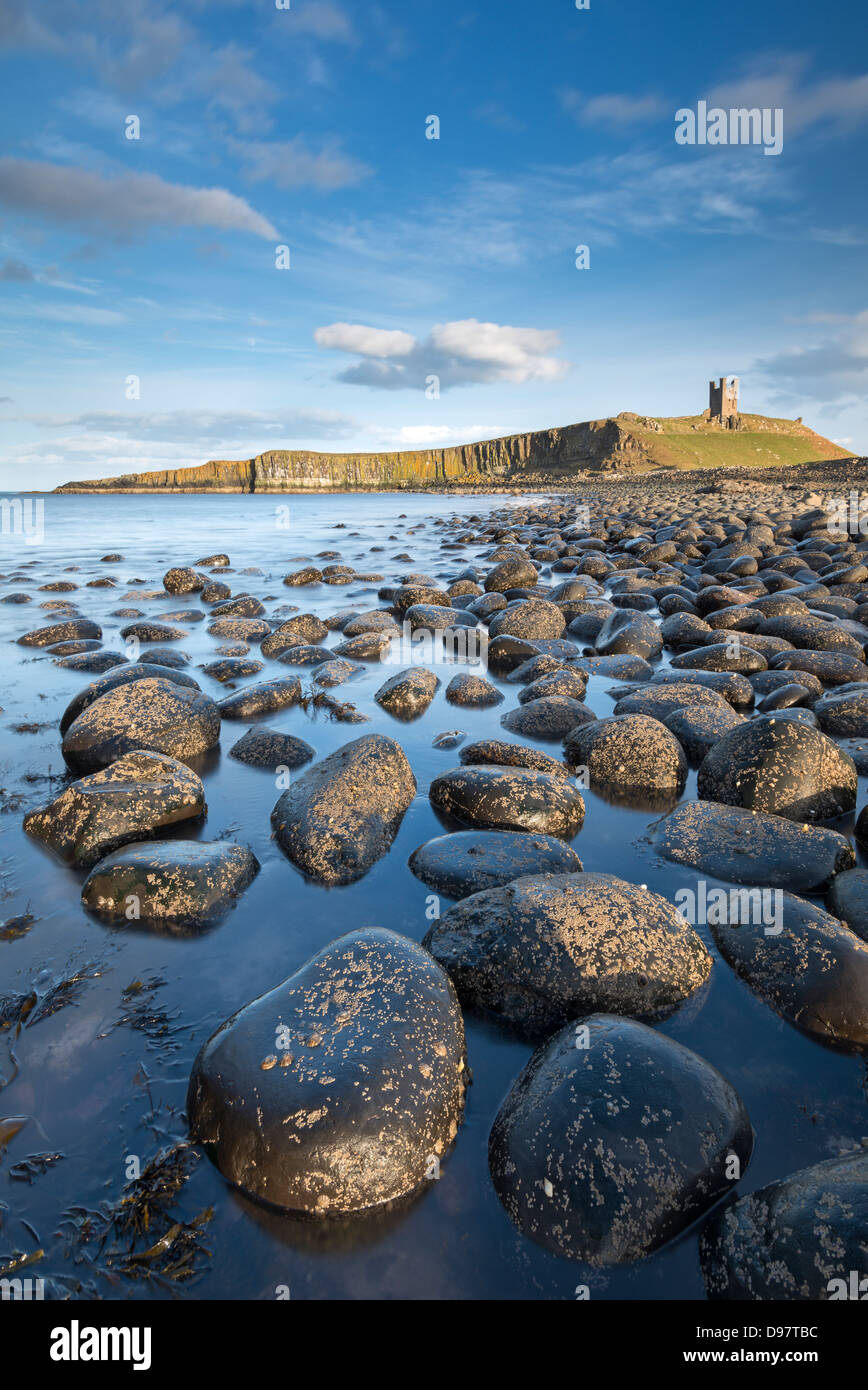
{"points": [[613, 1140], [139, 795], [548, 947], [341, 1089], [470, 861], [341, 816], [171, 885], [800, 1238], [154, 715], [263, 747], [548, 718]]}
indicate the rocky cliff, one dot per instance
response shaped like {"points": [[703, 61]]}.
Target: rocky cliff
{"points": [[625, 443]]}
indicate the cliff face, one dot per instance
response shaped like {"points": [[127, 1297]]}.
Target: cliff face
{"points": [[627, 443]]}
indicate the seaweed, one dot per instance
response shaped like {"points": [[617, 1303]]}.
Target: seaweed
{"points": [[136, 1237]]}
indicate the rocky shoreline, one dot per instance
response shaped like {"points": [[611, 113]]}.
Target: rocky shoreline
{"points": [[728, 613]]}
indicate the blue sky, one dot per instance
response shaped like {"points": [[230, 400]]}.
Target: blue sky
{"points": [[412, 258]]}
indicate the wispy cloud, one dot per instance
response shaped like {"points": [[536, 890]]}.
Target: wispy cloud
{"points": [[122, 206], [291, 164]]}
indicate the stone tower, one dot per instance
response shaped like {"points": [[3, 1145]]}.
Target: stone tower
{"points": [[723, 400]]}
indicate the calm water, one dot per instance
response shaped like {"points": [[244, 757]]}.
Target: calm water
{"points": [[97, 1089]]}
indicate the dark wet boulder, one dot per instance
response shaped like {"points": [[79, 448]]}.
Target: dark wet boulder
{"points": [[147, 630], [736, 689], [805, 964], [847, 899], [368, 646], [784, 768], [862, 828], [232, 668], [305, 655], [843, 712], [341, 816], [377, 620], [155, 716], [628, 754], [183, 580], [567, 682], [133, 671], [613, 1140], [621, 667], [507, 653], [699, 728], [263, 698], [241, 629], [470, 861], [509, 798], [721, 656], [658, 702], [217, 561], [515, 572], [241, 606], [814, 634], [832, 668], [71, 630], [408, 694], [169, 886], [493, 750], [139, 795], [469, 689], [95, 663], [802, 1238], [741, 846], [264, 747], [630, 633], [785, 697], [409, 595], [548, 718], [341, 1089], [548, 947], [304, 629], [299, 578], [530, 618]]}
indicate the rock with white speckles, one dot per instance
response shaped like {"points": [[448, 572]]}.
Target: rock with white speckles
{"points": [[628, 755], [613, 1139], [343, 1088], [805, 964], [408, 694], [547, 947], [341, 816], [749, 847], [173, 886], [154, 715], [800, 1238], [138, 795], [509, 798], [782, 768]]}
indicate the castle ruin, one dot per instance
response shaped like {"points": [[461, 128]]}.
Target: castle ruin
{"points": [[723, 402]]}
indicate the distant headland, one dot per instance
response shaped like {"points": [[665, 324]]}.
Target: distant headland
{"points": [[627, 443]]}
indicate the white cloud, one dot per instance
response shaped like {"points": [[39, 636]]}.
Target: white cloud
{"points": [[459, 353], [833, 370], [367, 342]]}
